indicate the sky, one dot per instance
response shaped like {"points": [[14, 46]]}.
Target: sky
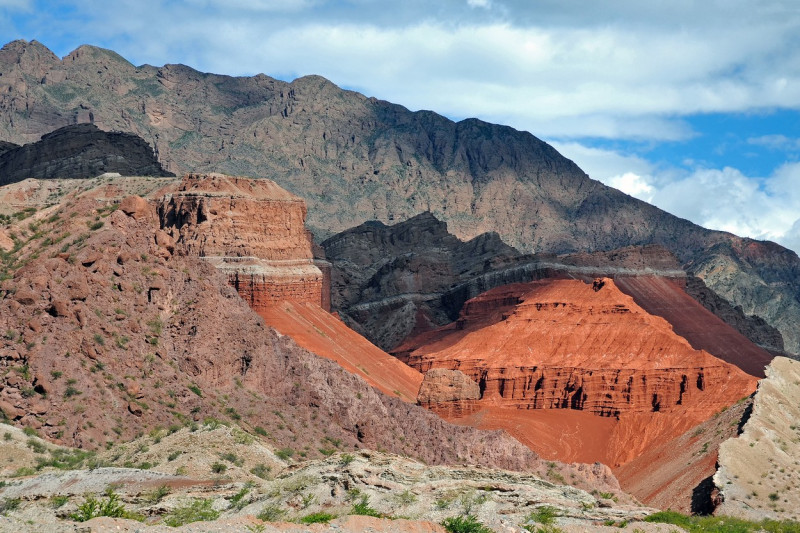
{"points": [[693, 106]]}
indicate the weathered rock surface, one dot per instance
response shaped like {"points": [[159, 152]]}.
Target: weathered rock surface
{"points": [[79, 151], [757, 475], [441, 385], [147, 327], [390, 485], [568, 345], [252, 230], [356, 159]]}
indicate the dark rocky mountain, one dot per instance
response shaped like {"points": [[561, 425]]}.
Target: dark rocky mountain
{"points": [[355, 159], [394, 282], [79, 151]]}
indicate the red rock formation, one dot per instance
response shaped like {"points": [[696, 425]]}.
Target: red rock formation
{"points": [[251, 229], [567, 345], [254, 232]]}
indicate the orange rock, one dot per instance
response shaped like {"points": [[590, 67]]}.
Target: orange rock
{"points": [[572, 346], [135, 207]]}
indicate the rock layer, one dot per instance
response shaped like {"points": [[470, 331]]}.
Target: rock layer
{"points": [[252, 230], [757, 474], [567, 345]]}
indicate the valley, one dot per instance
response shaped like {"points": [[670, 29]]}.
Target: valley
{"points": [[347, 311]]}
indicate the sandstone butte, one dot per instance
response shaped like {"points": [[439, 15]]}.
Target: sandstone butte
{"points": [[576, 371], [254, 232]]}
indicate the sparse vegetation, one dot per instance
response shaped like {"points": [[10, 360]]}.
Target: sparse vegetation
{"points": [[197, 510], [317, 518], [110, 506], [722, 524], [464, 524], [271, 513]]}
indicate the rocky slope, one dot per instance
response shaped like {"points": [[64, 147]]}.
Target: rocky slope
{"points": [[577, 348], [758, 470], [79, 151], [173, 468], [109, 334], [356, 159], [389, 282], [252, 230]]}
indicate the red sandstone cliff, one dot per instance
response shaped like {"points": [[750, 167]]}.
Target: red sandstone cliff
{"points": [[254, 232], [583, 350]]}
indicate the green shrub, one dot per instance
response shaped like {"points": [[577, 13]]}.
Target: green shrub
{"points": [[219, 468], [545, 515], [157, 494], [362, 508], [284, 453], [722, 524], [317, 518], [464, 524], [111, 507], [194, 511], [271, 513], [9, 504], [261, 470]]}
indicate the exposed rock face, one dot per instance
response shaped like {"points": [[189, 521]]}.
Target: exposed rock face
{"points": [[392, 282], [441, 385], [252, 230], [117, 320], [388, 282], [757, 475], [564, 344], [676, 474], [79, 151], [356, 159], [324, 334]]}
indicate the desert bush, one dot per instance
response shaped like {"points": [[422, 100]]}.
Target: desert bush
{"points": [[362, 508], [317, 518], [196, 510], [464, 524], [111, 507]]}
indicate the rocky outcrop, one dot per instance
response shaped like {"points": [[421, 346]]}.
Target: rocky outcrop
{"points": [[79, 151], [757, 474], [441, 385], [252, 230], [356, 159], [110, 333], [388, 282], [568, 345]]}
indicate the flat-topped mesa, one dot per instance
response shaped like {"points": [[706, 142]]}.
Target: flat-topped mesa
{"points": [[251, 229], [564, 344]]}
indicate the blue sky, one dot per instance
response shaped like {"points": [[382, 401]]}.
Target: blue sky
{"points": [[690, 105]]}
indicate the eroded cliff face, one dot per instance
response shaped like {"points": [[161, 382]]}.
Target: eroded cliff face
{"points": [[252, 230], [572, 346], [757, 475]]}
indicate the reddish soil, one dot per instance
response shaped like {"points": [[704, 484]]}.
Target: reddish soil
{"points": [[324, 334], [616, 379], [705, 331]]}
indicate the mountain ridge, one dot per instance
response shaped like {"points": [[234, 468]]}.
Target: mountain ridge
{"points": [[355, 158]]}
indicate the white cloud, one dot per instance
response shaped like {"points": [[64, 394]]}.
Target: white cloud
{"points": [[722, 199], [629, 70], [776, 142]]}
